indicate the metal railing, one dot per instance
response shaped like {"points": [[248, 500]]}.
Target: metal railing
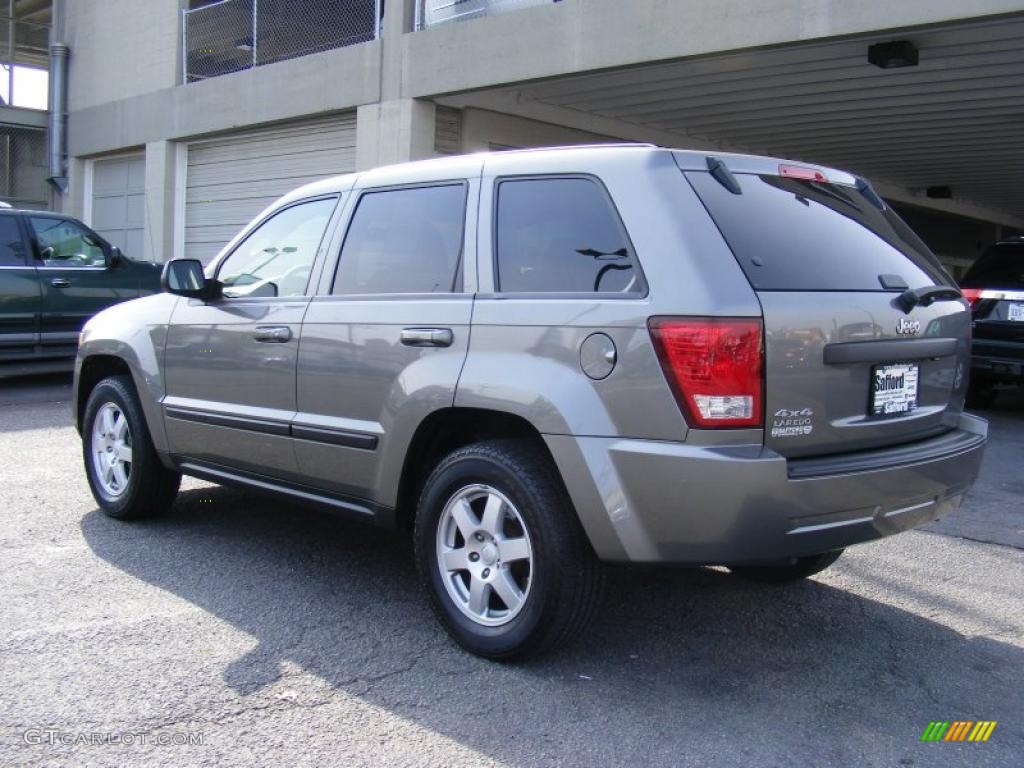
{"points": [[232, 35], [432, 12], [24, 63]]}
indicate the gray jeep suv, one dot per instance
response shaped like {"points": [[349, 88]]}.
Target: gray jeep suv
{"points": [[537, 361]]}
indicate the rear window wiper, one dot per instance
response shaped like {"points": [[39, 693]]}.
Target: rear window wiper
{"points": [[913, 297]]}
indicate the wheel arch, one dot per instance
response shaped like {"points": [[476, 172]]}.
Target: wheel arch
{"points": [[92, 371], [448, 429]]}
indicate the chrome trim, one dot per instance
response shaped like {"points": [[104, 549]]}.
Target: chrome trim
{"points": [[827, 526], [911, 508]]}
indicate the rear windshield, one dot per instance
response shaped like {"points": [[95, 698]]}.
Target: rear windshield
{"points": [[800, 235], [1001, 266]]}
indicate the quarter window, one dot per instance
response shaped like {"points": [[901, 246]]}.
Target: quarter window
{"points": [[66, 243], [277, 257], [404, 241], [12, 248], [561, 235]]}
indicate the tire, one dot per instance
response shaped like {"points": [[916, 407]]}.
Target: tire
{"points": [[780, 574], [537, 553], [137, 484]]}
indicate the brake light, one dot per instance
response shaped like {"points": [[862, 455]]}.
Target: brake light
{"points": [[798, 172], [973, 295], [714, 367]]}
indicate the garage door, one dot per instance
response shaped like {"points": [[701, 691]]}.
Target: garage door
{"points": [[119, 202], [231, 179]]}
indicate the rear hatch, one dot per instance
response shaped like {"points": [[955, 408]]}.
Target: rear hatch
{"points": [[854, 360], [995, 288]]}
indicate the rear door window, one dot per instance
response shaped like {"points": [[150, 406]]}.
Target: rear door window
{"points": [[404, 241], [1001, 266], [561, 235], [12, 246], [800, 235]]}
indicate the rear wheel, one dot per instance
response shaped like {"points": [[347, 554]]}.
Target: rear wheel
{"points": [[125, 475], [507, 565], [800, 568]]}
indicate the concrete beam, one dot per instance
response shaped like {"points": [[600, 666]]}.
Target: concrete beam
{"points": [[309, 85], [23, 118], [588, 35]]}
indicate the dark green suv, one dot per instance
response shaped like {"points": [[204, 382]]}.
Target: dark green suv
{"points": [[56, 273]]}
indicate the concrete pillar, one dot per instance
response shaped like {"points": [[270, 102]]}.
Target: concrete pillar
{"points": [[162, 180], [394, 132]]}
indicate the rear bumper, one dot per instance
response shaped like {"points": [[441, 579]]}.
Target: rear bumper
{"points": [[660, 502]]}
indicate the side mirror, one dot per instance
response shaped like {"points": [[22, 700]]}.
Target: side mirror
{"points": [[114, 257], [185, 277]]}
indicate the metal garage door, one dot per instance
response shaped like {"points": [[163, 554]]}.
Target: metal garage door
{"points": [[119, 202], [231, 179]]}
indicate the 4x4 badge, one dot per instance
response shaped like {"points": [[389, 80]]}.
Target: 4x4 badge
{"points": [[792, 423], [908, 327]]}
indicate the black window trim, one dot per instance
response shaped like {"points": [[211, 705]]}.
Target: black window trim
{"points": [[336, 196], [458, 282], [644, 289]]}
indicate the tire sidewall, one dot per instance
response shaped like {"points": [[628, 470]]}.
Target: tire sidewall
{"points": [[448, 479], [114, 391]]}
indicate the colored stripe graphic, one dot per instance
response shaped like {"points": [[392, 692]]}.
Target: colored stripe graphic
{"points": [[958, 730], [982, 730]]}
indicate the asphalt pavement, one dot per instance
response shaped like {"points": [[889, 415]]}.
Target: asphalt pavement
{"points": [[279, 635]]}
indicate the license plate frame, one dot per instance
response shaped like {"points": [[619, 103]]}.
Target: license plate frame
{"points": [[894, 389], [1015, 313]]}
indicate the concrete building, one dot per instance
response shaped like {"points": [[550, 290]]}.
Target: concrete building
{"points": [[186, 117]]}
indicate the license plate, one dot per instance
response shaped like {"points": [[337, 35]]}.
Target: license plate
{"points": [[893, 389], [1017, 312]]}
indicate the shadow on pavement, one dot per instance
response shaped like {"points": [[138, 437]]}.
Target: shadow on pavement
{"points": [[690, 664]]}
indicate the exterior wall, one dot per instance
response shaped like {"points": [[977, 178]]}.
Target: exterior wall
{"points": [[125, 73], [120, 48]]}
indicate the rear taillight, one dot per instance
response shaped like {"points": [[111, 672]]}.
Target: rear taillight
{"points": [[973, 295], [714, 366]]}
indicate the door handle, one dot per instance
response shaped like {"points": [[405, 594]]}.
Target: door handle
{"points": [[427, 337], [274, 334], [60, 282]]}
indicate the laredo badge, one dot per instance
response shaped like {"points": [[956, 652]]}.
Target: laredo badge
{"points": [[787, 423]]}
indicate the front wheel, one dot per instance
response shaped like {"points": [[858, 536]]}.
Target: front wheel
{"points": [[125, 474], [508, 568], [799, 568]]}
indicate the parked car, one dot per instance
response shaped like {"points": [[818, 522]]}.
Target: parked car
{"points": [[56, 273], [994, 285], [540, 360]]}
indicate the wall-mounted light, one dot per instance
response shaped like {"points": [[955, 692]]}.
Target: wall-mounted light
{"points": [[899, 53]]}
